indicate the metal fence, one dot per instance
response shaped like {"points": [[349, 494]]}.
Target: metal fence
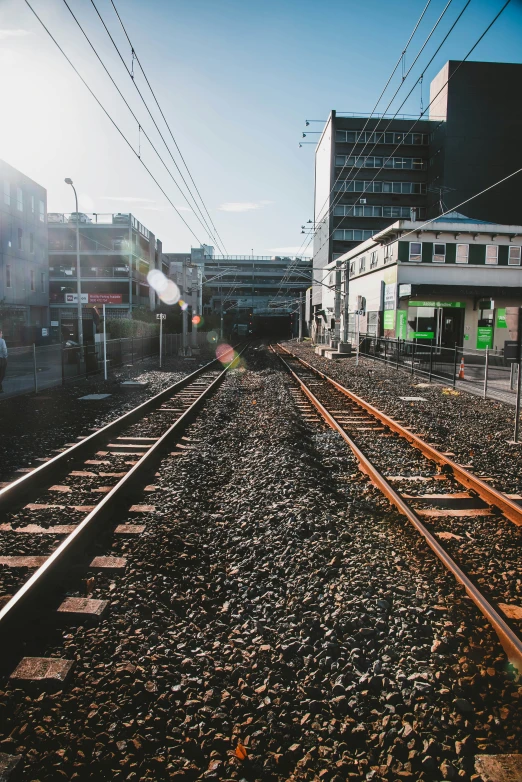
{"points": [[32, 369], [484, 372]]}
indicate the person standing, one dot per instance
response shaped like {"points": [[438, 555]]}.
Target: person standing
{"points": [[3, 359]]}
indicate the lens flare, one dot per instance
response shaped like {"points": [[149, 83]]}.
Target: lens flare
{"points": [[225, 353], [212, 336], [183, 304], [196, 320], [166, 289]]}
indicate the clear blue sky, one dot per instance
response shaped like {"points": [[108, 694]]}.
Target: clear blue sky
{"points": [[236, 79]]}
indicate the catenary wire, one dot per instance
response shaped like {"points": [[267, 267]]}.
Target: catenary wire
{"points": [[427, 107], [155, 124], [110, 118], [142, 130], [165, 120]]}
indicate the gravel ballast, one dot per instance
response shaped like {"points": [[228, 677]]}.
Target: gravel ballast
{"points": [[276, 621], [34, 425], [478, 431]]}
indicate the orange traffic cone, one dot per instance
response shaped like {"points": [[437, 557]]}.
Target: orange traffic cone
{"points": [[461, 370]]}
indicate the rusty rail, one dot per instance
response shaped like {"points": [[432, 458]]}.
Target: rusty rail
{"points": [[510, 642]]}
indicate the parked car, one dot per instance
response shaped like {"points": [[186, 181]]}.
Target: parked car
{"points": [[120, 218], [79, 217]]}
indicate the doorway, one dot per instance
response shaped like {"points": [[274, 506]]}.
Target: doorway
{"points": [[451, 330]]}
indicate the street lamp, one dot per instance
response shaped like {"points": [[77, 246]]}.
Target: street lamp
{"points": [[68, 181]]}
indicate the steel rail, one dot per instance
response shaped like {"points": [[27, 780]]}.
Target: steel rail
{"points": [[22, 488], [510, 642], [491, 496], [43, 588]]}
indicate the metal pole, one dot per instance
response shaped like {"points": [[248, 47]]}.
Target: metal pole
{"points": [[104, 346], [78, 272], [161, 340], [346, 302], [385, 350], [300, 317], [431, 361], [455, 367], [412, 355], [519, 375], [357, 338], [221, 321], [184, 312], [34, 369], [398, 350], [486, 372]]}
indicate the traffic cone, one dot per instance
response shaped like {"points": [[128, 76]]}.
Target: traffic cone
{"points": [[461, 370]]}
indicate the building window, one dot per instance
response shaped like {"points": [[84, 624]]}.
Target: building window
{"points": [[20, 233], [415, 251], [491, 254], [439, 253], [7, 276], [31, 243], [41, 209], [514, 255], [365, 186], [42, 282], [371, 137], [32, 204], [352, 268], [31, 275], [362, 264], [355, 235], [462, 253], [373, 259], [7, 193], [371, 161], [19, 199]]}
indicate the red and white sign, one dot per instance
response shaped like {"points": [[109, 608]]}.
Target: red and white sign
{"points": [[95, 298], [105, 298]]}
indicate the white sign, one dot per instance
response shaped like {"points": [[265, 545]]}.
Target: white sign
{"points": [[55, 323], [45, 332], [404, 290], [72, 298], [161, 316], [390, 291]]}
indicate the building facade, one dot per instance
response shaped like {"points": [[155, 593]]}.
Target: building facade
{"points": [[456, 280], [116, 254], [24, 281], [470, 141]]}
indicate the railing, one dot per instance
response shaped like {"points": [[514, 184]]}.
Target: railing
{"points": [[32, 369], [484, 372]]}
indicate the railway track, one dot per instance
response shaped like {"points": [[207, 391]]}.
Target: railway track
{"points": [[472, 528], [58, 520]]}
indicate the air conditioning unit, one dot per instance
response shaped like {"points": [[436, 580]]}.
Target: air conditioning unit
{"points": [[362, 200]]}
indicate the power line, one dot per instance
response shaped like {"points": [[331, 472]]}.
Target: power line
{"points": [[110, 118], [165, 120], [427, 107], [140, 128], [131, 75]]}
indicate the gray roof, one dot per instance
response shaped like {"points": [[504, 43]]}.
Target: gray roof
{"points": [[457, 217]]}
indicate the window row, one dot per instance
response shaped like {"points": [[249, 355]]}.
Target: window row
{"points": [[462, 253], [32, 279], [370, 161], [361, 186], [372, 137], [19, 239], [353, 235], [20, 201], [378, 211]]}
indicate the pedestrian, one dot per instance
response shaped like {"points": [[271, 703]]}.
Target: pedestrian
{"points": [[3, 359]]}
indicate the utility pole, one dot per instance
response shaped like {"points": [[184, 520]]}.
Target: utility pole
{"points": [[337, 303], [68, 181], [184, 312], [346, 302], [300, 317], [161, 317]]}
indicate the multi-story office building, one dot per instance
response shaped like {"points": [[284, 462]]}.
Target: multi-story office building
{"points": [[116, 254], [372, 172], [24, 289]]}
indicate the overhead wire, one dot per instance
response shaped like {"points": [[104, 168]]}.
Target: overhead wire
{"points": [[165, 119], [425, 110], [113, 122], [140, 128], [131, 76]]}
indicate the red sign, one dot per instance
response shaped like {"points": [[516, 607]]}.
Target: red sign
{"points": [[105, 298]]}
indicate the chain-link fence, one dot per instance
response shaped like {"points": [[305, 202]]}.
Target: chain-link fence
{"points": [[31, 369], [478, 371]]}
